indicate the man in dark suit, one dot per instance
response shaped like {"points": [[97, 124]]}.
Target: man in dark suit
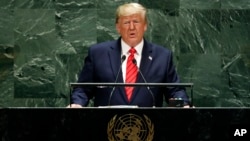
{"points": [[130, 59]]}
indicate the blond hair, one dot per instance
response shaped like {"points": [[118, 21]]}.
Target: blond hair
{"points": [[129, 9]]}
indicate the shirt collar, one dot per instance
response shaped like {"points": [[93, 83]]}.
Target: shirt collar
{"points": [[126, 47]]}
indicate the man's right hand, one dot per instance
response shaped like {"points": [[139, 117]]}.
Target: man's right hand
{"points": [[74, 106]]}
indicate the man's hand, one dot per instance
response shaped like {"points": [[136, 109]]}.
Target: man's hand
{"points": [[188, 106], [74, 106]]}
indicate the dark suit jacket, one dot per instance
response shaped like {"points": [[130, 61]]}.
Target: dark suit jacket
{"points": [[102, 65]]}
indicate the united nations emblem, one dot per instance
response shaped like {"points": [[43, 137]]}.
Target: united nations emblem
{"points": [[130, 127]]}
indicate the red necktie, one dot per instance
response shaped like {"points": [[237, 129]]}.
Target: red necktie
{"points": [[131, 73]]}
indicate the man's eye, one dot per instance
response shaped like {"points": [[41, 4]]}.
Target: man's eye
{"points": [[126, 22]]}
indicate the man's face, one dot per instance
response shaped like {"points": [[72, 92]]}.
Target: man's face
{"points": [[131, 28]]}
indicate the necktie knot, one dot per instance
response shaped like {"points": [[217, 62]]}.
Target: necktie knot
{"points": [[132, 51]]}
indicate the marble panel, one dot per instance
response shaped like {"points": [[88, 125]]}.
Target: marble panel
{"points": [[163, 29], [163, 4], [24, 4], [76, 28], [200, 31], [111, 4], [204, 70], [105, 25], [75, 4], [235, 4], [200, 4]]}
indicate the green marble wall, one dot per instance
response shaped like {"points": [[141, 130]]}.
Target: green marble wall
{"points": [[43, 43]]}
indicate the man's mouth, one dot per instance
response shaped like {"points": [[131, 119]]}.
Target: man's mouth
{"points": [[132, 35]]}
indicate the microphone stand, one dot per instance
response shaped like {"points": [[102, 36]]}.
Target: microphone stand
{"points": [[135, 62], [113, 89]]}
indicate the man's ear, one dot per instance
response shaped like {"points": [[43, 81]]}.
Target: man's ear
{"points": [[117, 28], [145, 27]]}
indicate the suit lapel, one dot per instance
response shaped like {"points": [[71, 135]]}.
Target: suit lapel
{"points": [[145, 64], [115, 62], [115, 58], [146, 60]]}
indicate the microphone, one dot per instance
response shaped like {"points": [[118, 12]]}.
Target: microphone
{"points": [[116, 78], [135, 62]]}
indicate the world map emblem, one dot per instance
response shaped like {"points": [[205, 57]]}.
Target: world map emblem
{"points": [[130, 127]]}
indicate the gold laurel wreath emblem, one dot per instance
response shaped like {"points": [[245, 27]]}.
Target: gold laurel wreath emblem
{"points": [[110, 128], [150, 126]]}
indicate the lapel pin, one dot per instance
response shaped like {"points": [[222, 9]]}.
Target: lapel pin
{"points": [[149, 57]]}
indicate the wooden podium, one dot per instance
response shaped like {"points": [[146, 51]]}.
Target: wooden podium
{"points": [[127, 124]]}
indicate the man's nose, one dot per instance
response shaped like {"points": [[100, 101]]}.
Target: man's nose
{"points": [[131, 25]]}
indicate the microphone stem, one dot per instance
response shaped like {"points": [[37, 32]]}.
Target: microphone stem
{"points": [[116, 79], [151, 93]]}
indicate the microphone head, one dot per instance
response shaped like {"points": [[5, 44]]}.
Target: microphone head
{"points": [[123, 58], [134, 61]]}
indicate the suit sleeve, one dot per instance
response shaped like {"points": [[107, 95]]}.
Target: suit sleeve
{"points": [[81, 95], [172, 77]]}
